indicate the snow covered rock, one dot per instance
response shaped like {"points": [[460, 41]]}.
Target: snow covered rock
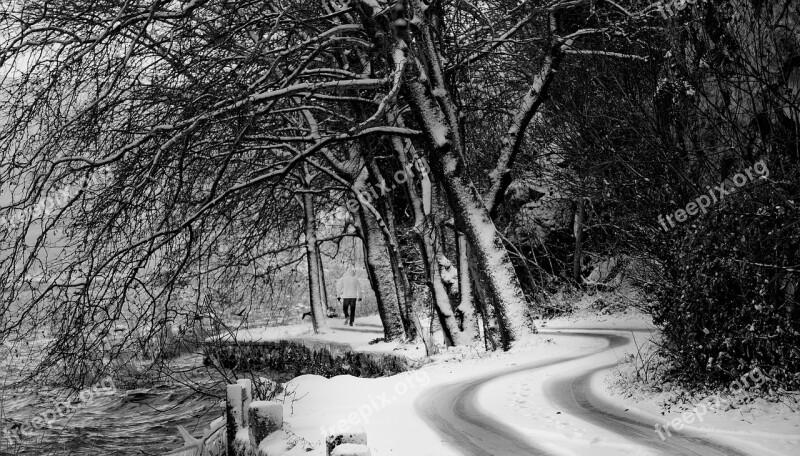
{"points": [[356, 436], [265, 388], [540, 204], [604, 271], [614, 271], [266, 417], [520, 193], [351, 449], [273, 445]]}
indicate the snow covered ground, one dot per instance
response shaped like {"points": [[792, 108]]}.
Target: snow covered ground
{"points": [[361, 337], [535, 403], [270, 333]]}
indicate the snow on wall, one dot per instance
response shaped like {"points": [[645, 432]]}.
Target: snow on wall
{"points": [[355, 436], [351, 449]]}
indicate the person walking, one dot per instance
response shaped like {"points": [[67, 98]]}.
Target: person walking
{"points": [[348, 289]]}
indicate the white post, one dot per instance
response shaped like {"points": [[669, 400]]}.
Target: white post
{"points": [[233, 416], [247, 398]]}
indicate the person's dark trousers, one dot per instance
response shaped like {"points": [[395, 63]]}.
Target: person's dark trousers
{"points": [[349, 306]]}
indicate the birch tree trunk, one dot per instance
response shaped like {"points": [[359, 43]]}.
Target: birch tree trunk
{"points": [[318, 319], [447, 317]]}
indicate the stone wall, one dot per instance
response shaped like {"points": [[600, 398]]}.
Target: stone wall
{"points": [[305, 356]]}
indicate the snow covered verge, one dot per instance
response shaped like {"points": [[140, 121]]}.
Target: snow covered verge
{"points": [[617, 308], [770, 423]]}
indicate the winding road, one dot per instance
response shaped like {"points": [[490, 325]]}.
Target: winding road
{"points": [[453, 410]]}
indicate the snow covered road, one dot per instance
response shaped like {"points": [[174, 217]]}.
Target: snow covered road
{"points": [[547, 407], [454, 413], [548, 396]]}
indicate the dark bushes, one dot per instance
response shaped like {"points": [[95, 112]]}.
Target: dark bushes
{"points": [[729, 301]]}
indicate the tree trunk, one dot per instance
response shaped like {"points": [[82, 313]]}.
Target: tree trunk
{"points": [[407, 295], [411, 323], [402, 287], [447, 317], [323, 289], [466, 306], [424, 227], [533, 99], [379, 264], [576, 262], [472, 218], [492, 258], [318, 319], [430, 101], [485, 308]]}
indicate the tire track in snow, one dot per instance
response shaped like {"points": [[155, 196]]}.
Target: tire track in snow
{"points": [[574, 395], [452, 410]]}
